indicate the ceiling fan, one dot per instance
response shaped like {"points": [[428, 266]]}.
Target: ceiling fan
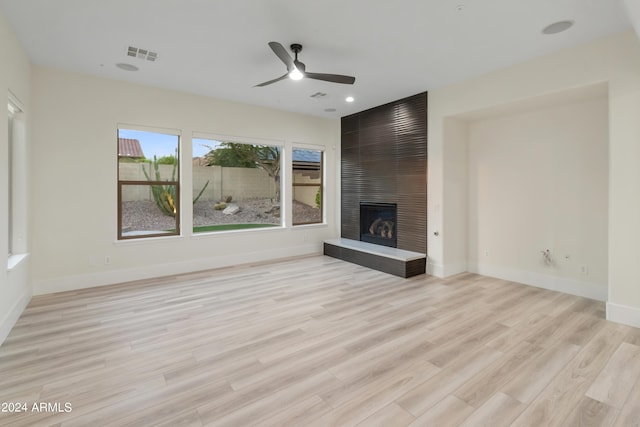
{"points": [[296, 70]]}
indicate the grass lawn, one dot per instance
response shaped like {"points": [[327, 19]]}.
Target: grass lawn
{"points": [[227, 227]]}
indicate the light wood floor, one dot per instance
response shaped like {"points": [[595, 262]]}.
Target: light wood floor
{"points": [[320, 342]]}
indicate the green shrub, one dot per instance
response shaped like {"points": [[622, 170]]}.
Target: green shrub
{"points": [[167, 160]]}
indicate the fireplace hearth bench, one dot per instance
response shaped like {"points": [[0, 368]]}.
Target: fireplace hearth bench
{"points": [[382, 258]]}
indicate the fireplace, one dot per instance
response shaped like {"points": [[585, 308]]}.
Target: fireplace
{"points": [[378, 223]]}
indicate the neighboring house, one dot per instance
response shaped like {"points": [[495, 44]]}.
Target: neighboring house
{"points": [[199, 161], [307, 163], [129, 148]]}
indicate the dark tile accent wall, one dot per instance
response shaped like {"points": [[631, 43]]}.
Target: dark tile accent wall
{"points": [[384, 159]]}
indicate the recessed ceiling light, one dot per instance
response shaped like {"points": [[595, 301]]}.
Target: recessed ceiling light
{"points": [[557, 27], [126, 67], [349, 99], [460, 7]]}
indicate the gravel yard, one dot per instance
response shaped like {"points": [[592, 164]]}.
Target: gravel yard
{"points": [[145, 215]]}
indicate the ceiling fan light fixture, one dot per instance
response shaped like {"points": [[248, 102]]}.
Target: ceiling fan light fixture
{"points": [[296, 70], [295, 74]]}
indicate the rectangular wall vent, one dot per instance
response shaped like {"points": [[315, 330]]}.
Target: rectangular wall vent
{"points": [[142, 54]]}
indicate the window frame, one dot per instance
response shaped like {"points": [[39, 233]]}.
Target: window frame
{"points": [[17, 203], [321, 185], [10, 181], [280, 144], [122, 183]]}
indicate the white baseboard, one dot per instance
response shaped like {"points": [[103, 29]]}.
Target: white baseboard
{"points": [[568, 286], [13, 315], [623, 314], [442, 270], [83, 281], [452, 269], [434, 269]]}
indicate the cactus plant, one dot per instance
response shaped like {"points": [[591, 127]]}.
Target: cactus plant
{"points": [[165, 195]]}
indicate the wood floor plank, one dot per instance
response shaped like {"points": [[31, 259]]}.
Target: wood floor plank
{"points": [[424, 396], [630, 413], [448, 412], [257, 411], [317, 341], [520, 331], [299, 414], [554, 404], [418, 371], [590, 412], [618, 377], [372, 399], [390, 415], [538, 373], [498, 411], [480, 388]]}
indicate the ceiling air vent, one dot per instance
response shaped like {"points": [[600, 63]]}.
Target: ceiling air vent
{"points": [[318, 95], [136, 52]]}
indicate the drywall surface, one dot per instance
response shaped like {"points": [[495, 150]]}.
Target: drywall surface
{"points": [[614, 61], [538, 181], [75, 120], [15, 287]]}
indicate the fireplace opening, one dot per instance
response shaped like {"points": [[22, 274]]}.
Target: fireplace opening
{"points": [[378, 223]]}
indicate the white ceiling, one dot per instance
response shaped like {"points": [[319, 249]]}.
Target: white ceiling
{"points": [[218, 48]]}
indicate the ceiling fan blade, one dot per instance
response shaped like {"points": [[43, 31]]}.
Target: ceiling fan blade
{"points": [[273, 81], [333, 78], [299, 65], [281, 53]]}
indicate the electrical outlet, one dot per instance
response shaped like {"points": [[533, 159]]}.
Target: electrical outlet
{"points": [[584, 269], [486, 253], [107, 260]]}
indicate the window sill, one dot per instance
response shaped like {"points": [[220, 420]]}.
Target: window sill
{"points": [[241, 231], [15, 260], [313, 225], [143, 240]]}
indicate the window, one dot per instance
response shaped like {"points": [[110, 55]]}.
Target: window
{"points": [[16, 180], [307, 186], [148, 184], [10, 166], [236, 185]]}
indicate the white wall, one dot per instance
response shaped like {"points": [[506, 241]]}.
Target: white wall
{"points": [[633, 12], [75, 118], [15, 289], [538, 180], [614, 60], [456, 197]]}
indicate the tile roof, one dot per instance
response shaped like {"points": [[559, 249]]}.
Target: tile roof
{"points": [[128, 147]]}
